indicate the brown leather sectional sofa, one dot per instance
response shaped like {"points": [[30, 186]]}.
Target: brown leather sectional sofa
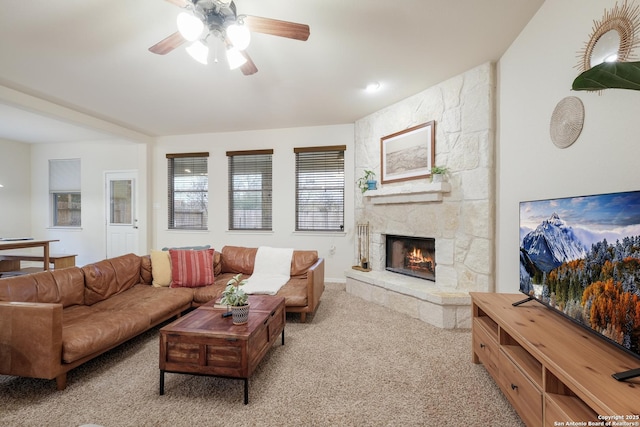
{"points": [[53, 321]]}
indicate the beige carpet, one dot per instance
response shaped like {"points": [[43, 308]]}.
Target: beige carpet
{"points": [[353, 364]]}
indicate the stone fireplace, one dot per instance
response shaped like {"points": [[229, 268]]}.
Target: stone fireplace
{"points": [[412, 256], [458, 214]]}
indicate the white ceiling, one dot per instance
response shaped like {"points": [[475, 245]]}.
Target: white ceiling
{"points": [[91, 57]]}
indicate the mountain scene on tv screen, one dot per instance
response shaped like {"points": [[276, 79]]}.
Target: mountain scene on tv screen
{"points": [[589, 269]]}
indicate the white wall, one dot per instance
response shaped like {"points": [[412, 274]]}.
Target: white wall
{"points": [[533, 76], [89, 241], [15, 201], [282, 141]]}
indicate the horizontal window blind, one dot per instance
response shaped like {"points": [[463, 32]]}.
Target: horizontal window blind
{"points": [[250, 190], [188, 190], [320, 188]]}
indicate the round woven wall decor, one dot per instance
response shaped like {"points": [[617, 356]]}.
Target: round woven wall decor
{"points": [[566, 121]]}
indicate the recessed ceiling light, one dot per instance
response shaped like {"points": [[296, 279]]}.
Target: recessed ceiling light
{"points": [[373, 87]]}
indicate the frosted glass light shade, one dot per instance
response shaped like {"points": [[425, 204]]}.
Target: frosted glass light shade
{"points": [[235, 58], [189, 26], [199, 52], [239, 36]]}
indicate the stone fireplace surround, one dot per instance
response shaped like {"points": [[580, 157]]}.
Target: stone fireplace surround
{"points": [[459, 213], [439, 305]]}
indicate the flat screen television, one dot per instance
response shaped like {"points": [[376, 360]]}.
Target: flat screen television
{"points": [[580, 256]]}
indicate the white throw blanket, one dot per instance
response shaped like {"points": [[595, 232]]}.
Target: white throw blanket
{"points": [[271, 271]]}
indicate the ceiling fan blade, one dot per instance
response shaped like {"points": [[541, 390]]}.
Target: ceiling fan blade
{"points": [[248, 68], [179, 3], [167, 44], [275, 27]]}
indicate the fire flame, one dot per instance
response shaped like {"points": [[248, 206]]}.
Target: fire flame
{"points": [[417, 261]]}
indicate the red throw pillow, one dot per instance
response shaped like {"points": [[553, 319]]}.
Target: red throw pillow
{"points": [[191, 268]]}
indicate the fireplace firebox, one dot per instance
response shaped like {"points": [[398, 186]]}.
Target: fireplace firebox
{"points": [[412, 256]]}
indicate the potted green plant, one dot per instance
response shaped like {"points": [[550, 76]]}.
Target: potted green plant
{"points": [[236, 298], [367, 181], [438, 173]]}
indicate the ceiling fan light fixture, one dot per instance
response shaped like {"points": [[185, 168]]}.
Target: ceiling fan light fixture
{"points": [[235, 58], [239, 36], [199, 52], [189, 26]]}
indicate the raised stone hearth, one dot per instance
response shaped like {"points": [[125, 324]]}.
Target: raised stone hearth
{"points": [[418, 298]]}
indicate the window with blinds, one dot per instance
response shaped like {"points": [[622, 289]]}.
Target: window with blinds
{"points": [[320, 188], [188, 191], [250, 189], [64, 191]]}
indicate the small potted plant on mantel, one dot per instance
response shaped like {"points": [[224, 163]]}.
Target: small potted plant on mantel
{"points": [[236, 298], [367, 181], [438, 173]]}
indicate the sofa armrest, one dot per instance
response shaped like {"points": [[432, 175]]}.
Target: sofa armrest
{"points": [[30, 339], [315, 284]]}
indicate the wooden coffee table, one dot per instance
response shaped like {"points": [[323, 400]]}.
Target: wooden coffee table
{"points": [[205, 343]]}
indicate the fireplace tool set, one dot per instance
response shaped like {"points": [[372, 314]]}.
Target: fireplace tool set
{"points": [[362, 232]]}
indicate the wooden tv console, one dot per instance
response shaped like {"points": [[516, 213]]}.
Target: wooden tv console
{"points": [[553, 371]]}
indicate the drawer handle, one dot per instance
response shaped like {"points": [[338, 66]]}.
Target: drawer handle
{"points": [[273, 313], [482, 345], [265, 321], [514, 387]]}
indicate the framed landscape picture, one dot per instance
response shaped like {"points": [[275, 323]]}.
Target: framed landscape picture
{"points": [[407, 154]]}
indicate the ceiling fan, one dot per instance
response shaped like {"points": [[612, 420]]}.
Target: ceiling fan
{"points": [[203, 18]]}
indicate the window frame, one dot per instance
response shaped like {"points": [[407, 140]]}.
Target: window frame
{"points": [[304, 160], [65, 181], [264, 166], [171, 192]]}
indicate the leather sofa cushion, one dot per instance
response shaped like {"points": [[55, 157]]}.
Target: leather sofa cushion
{"points": [[110, 277], [64, 286], [237, 259], [205, 294], [301, 261], [155, 302], [217, 263], [87, 329], [294, 292], [212, 292], [146, 276]]}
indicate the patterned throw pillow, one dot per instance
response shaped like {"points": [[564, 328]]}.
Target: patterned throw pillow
{"points": [[191, 268]]}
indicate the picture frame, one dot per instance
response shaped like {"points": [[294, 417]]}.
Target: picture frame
{"points": [[408, 154]]}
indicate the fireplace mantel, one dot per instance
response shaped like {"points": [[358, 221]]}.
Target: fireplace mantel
{"points": [[408, 193]]}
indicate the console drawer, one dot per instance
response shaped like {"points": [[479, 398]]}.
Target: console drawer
{"points": [[525, 397], [485, 347]]}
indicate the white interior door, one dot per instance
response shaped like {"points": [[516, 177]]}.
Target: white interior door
{"points": [[122, 224]]}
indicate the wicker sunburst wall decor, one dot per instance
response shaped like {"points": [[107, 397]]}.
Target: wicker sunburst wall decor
{"points": [[625, 21], [567, 121]]}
